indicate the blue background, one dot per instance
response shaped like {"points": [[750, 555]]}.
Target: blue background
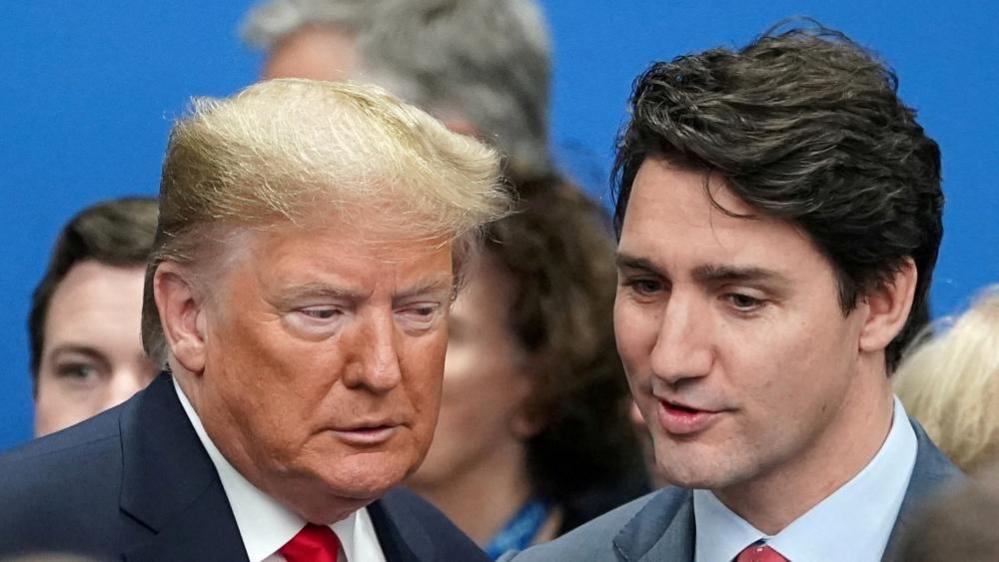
{"points": [[89, 89]]}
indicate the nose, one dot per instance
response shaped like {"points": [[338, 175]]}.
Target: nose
{"points": [[374, 355], [684, 348]]}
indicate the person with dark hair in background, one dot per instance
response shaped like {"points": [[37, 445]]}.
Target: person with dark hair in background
{"points": [[86, 353], [298, 294], [531, 441], [779, 216]]}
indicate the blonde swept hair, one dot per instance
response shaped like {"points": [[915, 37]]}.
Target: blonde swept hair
{"points": [[950, 383], [291, 151]]}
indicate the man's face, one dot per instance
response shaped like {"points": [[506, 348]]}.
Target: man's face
{"points": [[732, 335], [92, 355], [324, 356]]}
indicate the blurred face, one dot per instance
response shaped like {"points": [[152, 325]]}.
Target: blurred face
{"points": [[92, 355], [731, 332], [316, 52], [324, 356], [485, 383]]}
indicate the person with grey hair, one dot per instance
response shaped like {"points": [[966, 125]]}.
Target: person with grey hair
{"points": [[481, 66], [308, 38], [298, 293]]}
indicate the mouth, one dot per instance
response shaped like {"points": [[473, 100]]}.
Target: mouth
{"points": [[366, 435], [680, 419]]}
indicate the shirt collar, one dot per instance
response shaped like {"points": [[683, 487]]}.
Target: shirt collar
{"points": [[860, 514], [264, 524]]}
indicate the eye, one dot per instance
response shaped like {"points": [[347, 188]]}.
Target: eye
{"points": [[421, 315], [77, 370], [644, 286], [321, 312], [78, 373], [744, 303]]}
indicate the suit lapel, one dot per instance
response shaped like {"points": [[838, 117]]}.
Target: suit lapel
{"points": [[170, 486], [402, 539], [662, 531], [932, 472]]}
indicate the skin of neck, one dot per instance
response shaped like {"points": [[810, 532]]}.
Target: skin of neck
{"points": [[481, 498], [775, 498]]}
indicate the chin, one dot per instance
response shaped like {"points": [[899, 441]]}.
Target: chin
{"points": [[365, 480]]}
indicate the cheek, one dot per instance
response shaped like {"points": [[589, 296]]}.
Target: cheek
{"points": [[57, 406], [422, 365]]}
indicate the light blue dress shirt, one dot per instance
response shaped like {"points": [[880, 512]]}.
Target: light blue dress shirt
{"points": [[853, 523]]}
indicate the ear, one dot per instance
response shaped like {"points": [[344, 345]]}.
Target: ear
{"points": [[888, 307], [182, 315]]}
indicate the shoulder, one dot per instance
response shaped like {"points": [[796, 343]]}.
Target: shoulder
{"points": [[594, 541], [72, 477], [404, 520]]}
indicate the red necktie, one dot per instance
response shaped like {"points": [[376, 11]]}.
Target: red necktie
{"points": [[312, 544], [759, 553]]}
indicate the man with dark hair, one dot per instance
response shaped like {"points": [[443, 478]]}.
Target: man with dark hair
{"points": [[779, 215], [86, 353]]}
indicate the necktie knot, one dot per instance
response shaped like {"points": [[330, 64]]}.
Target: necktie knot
{"points": [[314, 543], [759, 553]]}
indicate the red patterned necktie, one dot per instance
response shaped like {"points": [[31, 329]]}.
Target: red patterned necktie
{"points": [[759, 553], [312, 544]]}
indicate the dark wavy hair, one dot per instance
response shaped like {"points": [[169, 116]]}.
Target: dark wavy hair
{"points": [[118, 233], [558, 249], [806, 126]]}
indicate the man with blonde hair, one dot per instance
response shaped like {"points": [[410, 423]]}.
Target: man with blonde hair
{"points": [[298, 296]]}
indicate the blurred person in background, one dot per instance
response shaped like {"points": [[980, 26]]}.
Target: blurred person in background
{"points": [[483, 68], [959, 525], [950, 383], [86, 352], [532, 440], [308, 38], [480, 66]]}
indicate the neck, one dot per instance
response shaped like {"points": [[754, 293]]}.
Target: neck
{"points": [[482, 498], [859, 428]]}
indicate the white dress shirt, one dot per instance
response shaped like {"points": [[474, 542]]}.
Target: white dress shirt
{"points": [[853, 523], [265, 525]]}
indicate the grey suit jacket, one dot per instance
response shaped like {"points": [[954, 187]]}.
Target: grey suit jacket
{"points": [[659, 527]]}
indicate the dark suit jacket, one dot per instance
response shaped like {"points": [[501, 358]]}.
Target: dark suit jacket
{"points": [[660, 526], [135, 483]]}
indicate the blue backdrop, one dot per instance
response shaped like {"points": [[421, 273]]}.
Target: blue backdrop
{"points": [[90, 89]]}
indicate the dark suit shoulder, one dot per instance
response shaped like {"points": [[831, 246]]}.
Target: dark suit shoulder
{"points": [[62, 488], [406, 522]]}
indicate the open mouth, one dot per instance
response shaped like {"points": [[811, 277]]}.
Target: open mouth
{"points": [[680, 419]]}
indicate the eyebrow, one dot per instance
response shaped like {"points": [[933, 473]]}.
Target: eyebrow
{"points": [[323, 290], [709, 273], [726, 273], [435, 285], [625, 261], [77, 349]]}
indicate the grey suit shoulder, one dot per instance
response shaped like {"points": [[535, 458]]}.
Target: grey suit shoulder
{"points": [[660, 526]]}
